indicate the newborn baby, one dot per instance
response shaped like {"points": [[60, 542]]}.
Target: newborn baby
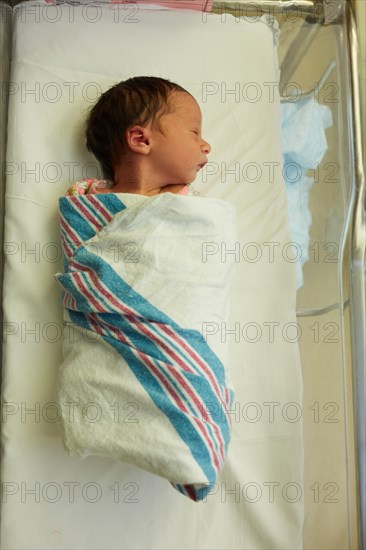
{"points": [[138, 285]]}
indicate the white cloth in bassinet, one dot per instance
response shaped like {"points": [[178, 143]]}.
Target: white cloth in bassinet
{"points": [[61, 62], [304, 145]]}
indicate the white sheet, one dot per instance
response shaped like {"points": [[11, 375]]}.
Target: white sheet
{"points": [[66, 59]]}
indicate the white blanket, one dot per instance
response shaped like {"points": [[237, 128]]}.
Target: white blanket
{"points": [[145, 279]]}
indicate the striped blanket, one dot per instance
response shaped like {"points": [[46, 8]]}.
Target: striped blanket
{"points": [[145, 289]]}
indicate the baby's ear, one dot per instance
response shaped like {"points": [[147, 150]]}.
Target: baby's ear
{"points": [[138, 139]]}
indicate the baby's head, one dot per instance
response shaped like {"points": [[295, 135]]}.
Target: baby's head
{"points": [[150, 124]]}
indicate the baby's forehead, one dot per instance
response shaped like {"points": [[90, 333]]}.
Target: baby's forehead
{"points": [[185, 105]]}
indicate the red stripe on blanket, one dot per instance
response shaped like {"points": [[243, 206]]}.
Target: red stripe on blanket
{"points": [[86, 213]]}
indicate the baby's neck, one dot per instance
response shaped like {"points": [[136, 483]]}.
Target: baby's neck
{"points": [[142, 190], [138, 177]]}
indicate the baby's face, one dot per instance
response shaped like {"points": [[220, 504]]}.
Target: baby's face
{"points": [[180, 152]]}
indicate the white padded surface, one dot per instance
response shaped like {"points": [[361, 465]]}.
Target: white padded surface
{"points": [[67, 60]]}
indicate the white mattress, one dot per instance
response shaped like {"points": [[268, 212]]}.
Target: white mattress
{"points": [[51, 500]]}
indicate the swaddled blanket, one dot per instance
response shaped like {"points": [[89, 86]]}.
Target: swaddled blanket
{"points": [[141, 380]]}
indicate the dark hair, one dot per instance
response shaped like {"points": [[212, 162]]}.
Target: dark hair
{"points": [[138, 100]]}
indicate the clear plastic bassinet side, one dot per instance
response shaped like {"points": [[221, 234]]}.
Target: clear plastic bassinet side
{"points": [[331, 302]]}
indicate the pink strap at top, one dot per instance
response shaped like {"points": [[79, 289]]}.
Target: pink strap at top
{"points": [[197, 5]]}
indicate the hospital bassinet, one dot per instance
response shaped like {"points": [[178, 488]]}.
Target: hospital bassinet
{"points": [[278, 86]]}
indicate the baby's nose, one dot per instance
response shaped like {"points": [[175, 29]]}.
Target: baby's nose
{"points": [[206, 147]]}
